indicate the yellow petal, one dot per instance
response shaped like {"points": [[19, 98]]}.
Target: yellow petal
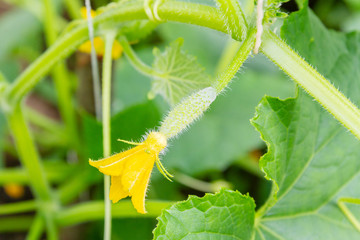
{"points": [[83, 13], [117, 50], [115, 164], [138, 192], [114, 158], [117, 190], [131, 170], [99, 46]]}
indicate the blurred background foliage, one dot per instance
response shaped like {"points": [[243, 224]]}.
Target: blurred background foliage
{"points": [[221, 149]]}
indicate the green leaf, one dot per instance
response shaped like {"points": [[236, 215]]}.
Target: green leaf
{"points": [[311, 158], [179, 73], [226, 215], [210, 50]]}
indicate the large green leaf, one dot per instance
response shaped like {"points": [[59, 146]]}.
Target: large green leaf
{"points": [[227, 215], [312, 159]]}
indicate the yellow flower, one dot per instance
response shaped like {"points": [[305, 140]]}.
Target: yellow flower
{"points": [[14, 190], [130, 170], [99, 43]]}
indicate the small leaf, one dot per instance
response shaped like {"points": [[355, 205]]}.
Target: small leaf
{"points": [[225, 215], [179, 73]]}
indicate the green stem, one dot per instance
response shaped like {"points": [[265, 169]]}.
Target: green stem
{"points": [[80, 181], [28, 154], [51, 227], [36, 228], [228, 54], [233, 17], [193, 182], [223, 79], [341, 203], [86, 212], [106, 120], [44, 122], [94, 62], [250, 164], [55, 173], [312, 82], [170, 11], [135, 61], [200, 15], [60, 76], [15, 224], [73, 7], [18, 207], [90, 211]]}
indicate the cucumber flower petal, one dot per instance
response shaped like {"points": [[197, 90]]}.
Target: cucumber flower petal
{"points": [[130, 170]]}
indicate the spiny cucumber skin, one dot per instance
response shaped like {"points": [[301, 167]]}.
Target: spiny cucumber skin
{"points": [[187, 111]]}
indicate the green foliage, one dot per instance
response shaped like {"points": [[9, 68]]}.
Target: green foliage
{"points": [[233, 18], [312, 159], [179, 74], [273, 11], [225, 215], [9, 41], [129, 124], [226, 125]]}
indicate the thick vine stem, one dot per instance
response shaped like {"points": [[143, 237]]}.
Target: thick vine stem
{"points": [[242, 54], [169, 11], [233, 18], [312, 82], [201, 15]]}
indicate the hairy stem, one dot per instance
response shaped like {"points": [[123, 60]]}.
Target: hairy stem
{"points": [[205, 16], [312, 82], [242, 54], [135, 61], [170, 11]]}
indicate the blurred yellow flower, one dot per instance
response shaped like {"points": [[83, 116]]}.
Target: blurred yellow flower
{"points": [[130, 170], [99, 43], [14, 190]]}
